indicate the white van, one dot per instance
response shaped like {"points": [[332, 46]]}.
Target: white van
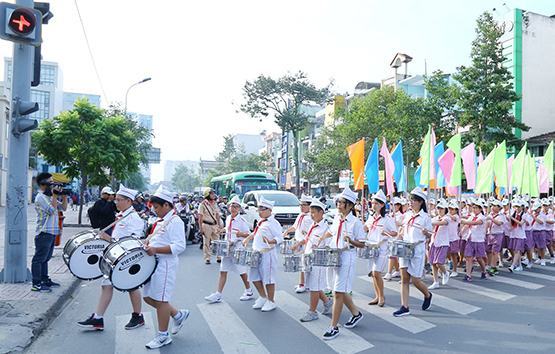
{"points": [[286, 207]]}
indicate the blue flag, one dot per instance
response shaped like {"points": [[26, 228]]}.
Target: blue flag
{"points": [[399, 174], [371, 169], [438, 151], [417, 177]]}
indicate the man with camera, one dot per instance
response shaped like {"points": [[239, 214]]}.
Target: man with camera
{"points": [[103, 212], [47, 206]]}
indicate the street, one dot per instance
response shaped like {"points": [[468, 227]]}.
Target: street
{"points": [[510, 313]]}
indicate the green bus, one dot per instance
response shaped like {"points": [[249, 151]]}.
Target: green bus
{"points": [[239, 183]]}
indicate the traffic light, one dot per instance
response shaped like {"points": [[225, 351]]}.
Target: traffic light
{"points": [[22, 109], [20, 24]]}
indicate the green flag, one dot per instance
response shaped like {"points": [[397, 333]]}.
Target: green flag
{"points": [[518, 169], [484, 179], [525, 184], [533, 174], [500, 166], [456, 174], [548, 162], [425, 158]]}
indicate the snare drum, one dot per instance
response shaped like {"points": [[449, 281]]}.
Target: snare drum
{"points": [[399, 248], [221, 248], [82, 254], [286, 246], [292, 263], [306, 263], [252, 258], [370, 251], [127, 264], [326, 257]]}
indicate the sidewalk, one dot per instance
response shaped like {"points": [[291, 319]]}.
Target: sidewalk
{"points": [[25, 314]]}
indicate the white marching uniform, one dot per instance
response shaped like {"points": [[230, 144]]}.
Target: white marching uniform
{"points": [[232, 226], [376, 225], [350, 226], [302, 225], [413, 234], [130, 225], [316, 280], [266, 271], [169, 231]]}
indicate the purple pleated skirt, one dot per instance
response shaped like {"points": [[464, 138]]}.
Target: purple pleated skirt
{"points": [[437, 255], [529, 243], [454, 246], [539, 239], [495, 241], [475, 249], [517, 244]]}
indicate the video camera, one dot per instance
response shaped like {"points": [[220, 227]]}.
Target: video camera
{"points": [[60, 188]]}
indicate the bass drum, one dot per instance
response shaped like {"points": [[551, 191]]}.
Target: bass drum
{"points": [[127, 264], [82, 255]]}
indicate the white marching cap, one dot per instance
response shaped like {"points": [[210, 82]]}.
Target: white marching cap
{"points": [[380, 196], [349, 195], [234, 200], [419, 193], [107, 190], [505, 202], [536, 206], [495, 202], [318, 204], [479, 202], [453, 204], [164, 194], [442, 203], [127, 192], [396, 200], [265, 203], [305, 199], [545, 201]]}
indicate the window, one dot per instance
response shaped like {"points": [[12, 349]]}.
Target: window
{"points": [[43, 99], [48, 74], [44, 167]]}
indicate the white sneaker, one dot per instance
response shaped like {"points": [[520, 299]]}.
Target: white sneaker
{"points": [[524, 261], [396, 274], [552, 260], [434, 285], [269, 306], [178, 324], [328, 307], [259, 303], [299, 289], [247, 295], [542, 262], [387, 276], [529, 265], [159, 341], [214, 298], [445, 278], [538, 261], [453, 275], [518, 269]]}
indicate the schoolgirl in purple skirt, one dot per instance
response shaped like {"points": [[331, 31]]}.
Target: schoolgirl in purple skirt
{"points": [[463, 231], [517, 236], [439, 244], [529, 243], [537, 233], [495, 235], [548, 227], [476, 244], [454, 238]]}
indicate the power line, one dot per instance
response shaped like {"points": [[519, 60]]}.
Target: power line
{"points": [[91, 53]]}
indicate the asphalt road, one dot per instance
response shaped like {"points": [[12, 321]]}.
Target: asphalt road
{"points": [[510, 313]]}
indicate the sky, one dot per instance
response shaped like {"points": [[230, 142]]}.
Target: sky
{"points": [[200, 53]]}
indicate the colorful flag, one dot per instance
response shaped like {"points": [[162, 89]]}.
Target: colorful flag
{"points": [[543, 179], [399, 173], [440, 178], [425, 153], [456, 174], [417, 175], [356, 155], [371, 170], [510, 161], [519, 167], [525, 183], [389, 168], [548, 163], [446, 165], [534, 187], [468, 155], [484, 180], [500, 166]]}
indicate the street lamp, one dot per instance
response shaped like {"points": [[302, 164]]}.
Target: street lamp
{"points": [[130, 87]]}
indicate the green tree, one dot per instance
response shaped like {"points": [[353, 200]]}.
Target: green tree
{"points": [[185, 179], [486, 95], [235, 159], [92, 144], [283, 99], [137, 181]]}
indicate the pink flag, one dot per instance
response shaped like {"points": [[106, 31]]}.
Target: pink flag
{"points": [[446, 162], [543, 179], [433, 172], [389, 168], [480, 157], [468, 155], [510, 161]]}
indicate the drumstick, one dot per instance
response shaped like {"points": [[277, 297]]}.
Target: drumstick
{"points": [[115, 222]]}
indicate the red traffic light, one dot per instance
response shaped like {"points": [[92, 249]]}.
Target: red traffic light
{"points": [[22, 21]]}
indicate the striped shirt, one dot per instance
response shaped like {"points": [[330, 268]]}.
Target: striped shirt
{"points": [[47, 216]]}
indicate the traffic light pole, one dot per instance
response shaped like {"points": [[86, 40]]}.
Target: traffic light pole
{"points": [[15, 236]]}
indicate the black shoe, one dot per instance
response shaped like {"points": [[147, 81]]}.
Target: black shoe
{"points": [[331, 333], [219, 260], [427, 302], [92, 323], [51, 284], [137, 320], [353, 321], [403, 311], [35, 287]]}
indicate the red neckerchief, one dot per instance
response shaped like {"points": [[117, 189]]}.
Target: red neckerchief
{"points": [[300, 222], [258, 225], [411, 220], [534, 221], [470, 233], [339, 229], [156, 223], [375, 223], [229, 228], [310, 232]]}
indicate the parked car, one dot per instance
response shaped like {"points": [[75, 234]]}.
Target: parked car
{"points": [[285, 210], [331, 211]]}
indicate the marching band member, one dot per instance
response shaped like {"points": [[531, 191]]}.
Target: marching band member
{"points": [[380, 227], [166, 241], [463, 230], [548, 227], [266, 238], [418, 224], [507, 227], [537, 231], [129, 223], [529, 243], [495, 226], [454, 240], [439, 244], [236, 229], [399, 216], [316, 278], [517, 236], [346, 233], [300, 227], [476, 244]]}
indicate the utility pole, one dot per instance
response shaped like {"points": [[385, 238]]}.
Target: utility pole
{"points": [[21, 24]]}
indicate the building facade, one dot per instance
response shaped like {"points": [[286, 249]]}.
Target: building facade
{"points": [[69, 99]]}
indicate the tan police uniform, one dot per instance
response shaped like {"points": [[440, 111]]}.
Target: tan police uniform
{"points": [[211, 225]]}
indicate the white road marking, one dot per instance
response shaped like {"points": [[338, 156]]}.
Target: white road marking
{"points": [[438, 299], [408, 323], [347, 342], [533, 274], [233, 335], [516, 282], [480, 290], [133, 341]]}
